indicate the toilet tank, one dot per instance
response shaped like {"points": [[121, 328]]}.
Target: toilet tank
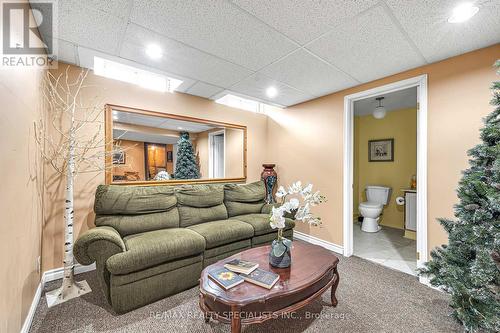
{"points": [[378, 194]]}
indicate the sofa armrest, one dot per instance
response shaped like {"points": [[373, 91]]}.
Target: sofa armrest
{"points": [[98, 244]]}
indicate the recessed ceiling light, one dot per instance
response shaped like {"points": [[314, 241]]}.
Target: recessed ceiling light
{"points": [[463, 12], [154, 51], [271, 92], [179, 128]]}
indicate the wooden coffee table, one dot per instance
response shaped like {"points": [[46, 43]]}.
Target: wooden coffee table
{"points": [[313, 271]]}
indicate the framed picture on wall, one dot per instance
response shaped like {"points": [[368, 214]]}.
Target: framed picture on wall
{"points": [[119, 157], [381, 150]]}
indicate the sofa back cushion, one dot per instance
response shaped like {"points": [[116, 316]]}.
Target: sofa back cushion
{"points": [[134, 209], [200, 203], [244, 199]]}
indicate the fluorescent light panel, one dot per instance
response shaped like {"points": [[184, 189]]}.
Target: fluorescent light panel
{"points": [[241, 103], [149, 80]]}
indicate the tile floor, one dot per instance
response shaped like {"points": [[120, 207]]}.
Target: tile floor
{"points": [[387, 247]]}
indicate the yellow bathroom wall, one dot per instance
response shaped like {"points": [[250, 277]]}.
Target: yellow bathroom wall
{"points": [[400, 125]]}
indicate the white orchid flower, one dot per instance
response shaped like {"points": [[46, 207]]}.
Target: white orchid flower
{"points": [[281, 192], [314, 221], [306, 190], [302, 202], [294, 203], [303, 212], [277, 220], [314, 199], [295, 188]]}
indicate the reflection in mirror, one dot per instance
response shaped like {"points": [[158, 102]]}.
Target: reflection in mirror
{"points": [[158, 148]]}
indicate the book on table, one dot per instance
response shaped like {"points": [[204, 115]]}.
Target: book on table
{"points": [[241, 266], [261, 278], [225, 278]]}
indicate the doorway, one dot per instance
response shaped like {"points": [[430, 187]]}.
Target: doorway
{"points": [[420, 83], [217, 144]]}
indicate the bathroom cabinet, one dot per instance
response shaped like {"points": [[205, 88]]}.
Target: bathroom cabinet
{"points": [[411, 210]]}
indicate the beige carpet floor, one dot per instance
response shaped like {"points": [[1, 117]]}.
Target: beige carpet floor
{"points": [[372, 298]]}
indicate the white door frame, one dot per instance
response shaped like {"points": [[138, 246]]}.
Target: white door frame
{"points": [[421, 83], [210, 153]]}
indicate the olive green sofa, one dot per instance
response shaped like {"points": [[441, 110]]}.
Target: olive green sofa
{"points": [[153, 241]]}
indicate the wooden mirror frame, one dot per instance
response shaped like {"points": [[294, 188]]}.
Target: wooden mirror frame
{"points": [[108, 120]]}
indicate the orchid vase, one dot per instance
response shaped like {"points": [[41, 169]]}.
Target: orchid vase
{"points": [[297, 207]]}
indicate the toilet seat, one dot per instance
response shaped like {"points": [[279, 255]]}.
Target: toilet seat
{"points": [[370, 204]]}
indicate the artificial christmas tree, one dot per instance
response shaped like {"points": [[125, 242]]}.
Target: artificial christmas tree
{"points": [[468, 268], [186, 166]]}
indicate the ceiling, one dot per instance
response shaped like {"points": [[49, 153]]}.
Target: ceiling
{"points": [[398, 100], [305, 49], [160, 122], [143, 137]]}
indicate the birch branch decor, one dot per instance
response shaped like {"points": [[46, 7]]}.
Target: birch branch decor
{"points": [[64, 143]]}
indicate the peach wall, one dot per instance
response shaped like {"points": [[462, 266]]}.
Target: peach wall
{"points": [[134, 158], [458, 98], [21, 195], [20, 200], [115, 92], [234, 153]]}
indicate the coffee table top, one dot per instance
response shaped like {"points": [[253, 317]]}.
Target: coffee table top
{"points": [[309, 264]]}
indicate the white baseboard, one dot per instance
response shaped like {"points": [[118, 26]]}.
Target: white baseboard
{"points": [[31, 312], [48, 276], [57, 273], [315, 240]]}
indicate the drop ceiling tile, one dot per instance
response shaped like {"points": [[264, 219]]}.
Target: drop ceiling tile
{"points": [[306, 72], [215, 26], [302, 20], [120, 8], [203, 89], [426, 22], [179, 58], [256, 85], [66, 52], [368, 47], [89, 27]]}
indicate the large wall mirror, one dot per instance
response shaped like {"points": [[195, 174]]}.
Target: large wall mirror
{"points": [[147, 147]]}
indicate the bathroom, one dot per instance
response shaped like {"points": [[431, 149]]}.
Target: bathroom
{"points": [[384, 179]]}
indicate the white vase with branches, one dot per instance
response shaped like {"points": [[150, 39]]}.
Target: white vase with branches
{"points": [[62, 134]]}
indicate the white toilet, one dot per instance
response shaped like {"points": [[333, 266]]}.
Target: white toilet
{"points": [[377, 197]]}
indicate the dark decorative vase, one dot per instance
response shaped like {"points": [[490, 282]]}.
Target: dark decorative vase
{"points": [[280, 255], [270, 178]]}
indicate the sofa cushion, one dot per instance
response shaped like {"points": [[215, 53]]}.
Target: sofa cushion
{"points": [[200, 203], [217, 233], [135, 209], [192, 215], [244, 199], [133, 200], [134, 224], [155, 247], [260, 223], [200, 195]]}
